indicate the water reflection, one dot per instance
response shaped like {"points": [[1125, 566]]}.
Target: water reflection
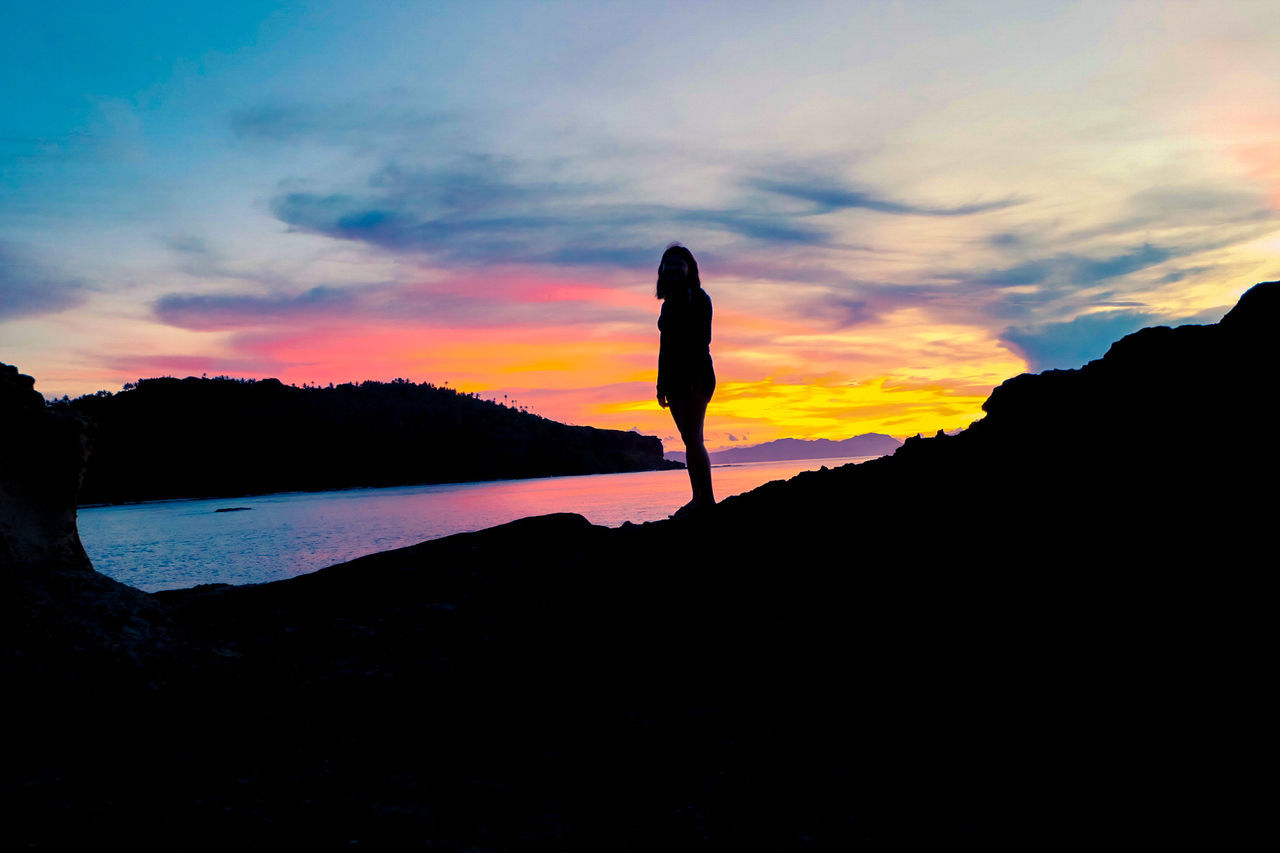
{"points": [[176, 544]]}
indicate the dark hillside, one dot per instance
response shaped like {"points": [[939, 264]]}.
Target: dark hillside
{"points": [[169, 438]]}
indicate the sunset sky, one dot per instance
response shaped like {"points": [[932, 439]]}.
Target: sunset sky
{"points": [[895, 206]]}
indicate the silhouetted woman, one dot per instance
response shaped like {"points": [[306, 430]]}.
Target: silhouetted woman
{"points": [[686, 379]]}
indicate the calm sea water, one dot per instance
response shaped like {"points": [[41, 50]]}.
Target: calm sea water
{"points": [[177, 544]]}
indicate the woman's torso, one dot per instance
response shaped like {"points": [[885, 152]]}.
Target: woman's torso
{"points": [[685, 356]]}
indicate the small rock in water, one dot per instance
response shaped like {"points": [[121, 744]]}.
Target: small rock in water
{"points": [[233, 509]]}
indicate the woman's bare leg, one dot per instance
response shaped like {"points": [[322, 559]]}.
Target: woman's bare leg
{"points": [[689, 413]]}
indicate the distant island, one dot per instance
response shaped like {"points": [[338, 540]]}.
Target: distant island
{"points": [[786, 449], [222, 437]]}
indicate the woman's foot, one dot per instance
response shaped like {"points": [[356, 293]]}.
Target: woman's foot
{"points": [[692, 509]]}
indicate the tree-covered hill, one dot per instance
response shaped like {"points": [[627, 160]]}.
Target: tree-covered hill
{"points": [[172, 438]]}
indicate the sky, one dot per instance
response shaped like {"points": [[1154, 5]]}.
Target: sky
{"points": [[894, 206]]}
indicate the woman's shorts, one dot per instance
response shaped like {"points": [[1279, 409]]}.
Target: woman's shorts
{"points": [[701, 383]]}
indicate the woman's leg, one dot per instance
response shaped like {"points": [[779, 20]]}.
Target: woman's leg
{"points": [[689, 412]]}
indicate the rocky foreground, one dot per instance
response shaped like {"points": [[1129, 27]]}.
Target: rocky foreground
{"points": [[1049, 625]]}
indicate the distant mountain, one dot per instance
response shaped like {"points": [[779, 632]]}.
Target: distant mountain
{"points": [[184, 438], [784, 449]]}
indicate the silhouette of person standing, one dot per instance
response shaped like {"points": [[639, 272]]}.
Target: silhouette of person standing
{"points": [[686, 378]]}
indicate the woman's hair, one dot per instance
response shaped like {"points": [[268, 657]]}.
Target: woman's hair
{"points": [[666, 284]]}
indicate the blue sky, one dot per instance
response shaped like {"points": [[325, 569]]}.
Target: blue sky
{"points": [[895, 205]]}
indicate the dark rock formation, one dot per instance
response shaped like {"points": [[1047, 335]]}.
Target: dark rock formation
{"points": [[63, 622], [41, 462], [1050, 624]]}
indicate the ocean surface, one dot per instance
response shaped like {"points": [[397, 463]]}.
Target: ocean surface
{"points": [[176, 544]]}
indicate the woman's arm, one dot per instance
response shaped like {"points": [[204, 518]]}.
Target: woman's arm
{"points": [[706, 300], [664, 354]]}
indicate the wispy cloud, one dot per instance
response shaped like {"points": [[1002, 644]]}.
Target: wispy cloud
{"points": [[827, 193], [28, 289], [206, 312], [979, 296], [486, 208], [480, 212], [1067, 270], [487, 300]]}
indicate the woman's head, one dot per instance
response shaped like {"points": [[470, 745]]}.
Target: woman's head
{"points": [[677, 271]]}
